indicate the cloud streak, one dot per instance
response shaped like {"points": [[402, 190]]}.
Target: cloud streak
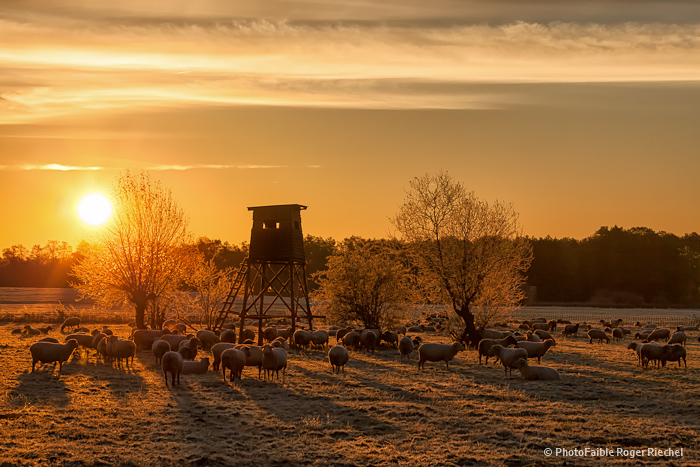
{"points": [[176, 168]]}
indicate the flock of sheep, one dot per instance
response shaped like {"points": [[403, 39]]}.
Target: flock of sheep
{"points": [[175, 351]]}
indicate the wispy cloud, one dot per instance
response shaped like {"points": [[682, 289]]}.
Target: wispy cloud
{"points": [[54, 167], [213, 166], [155, 168]]}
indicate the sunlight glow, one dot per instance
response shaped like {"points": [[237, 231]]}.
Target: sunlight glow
{"points": [[94, 209]]}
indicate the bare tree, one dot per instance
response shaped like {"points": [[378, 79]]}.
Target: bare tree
{"points": [[468, 253], [365, 282], [141, 253]]}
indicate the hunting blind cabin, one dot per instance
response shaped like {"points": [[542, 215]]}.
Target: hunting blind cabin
{"points": [[274, 271]]}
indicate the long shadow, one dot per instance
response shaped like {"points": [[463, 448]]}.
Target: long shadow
{"points": [[44, 385]]}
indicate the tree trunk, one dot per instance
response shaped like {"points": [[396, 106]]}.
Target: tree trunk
{"points": [[470, 336], [140, 315]]}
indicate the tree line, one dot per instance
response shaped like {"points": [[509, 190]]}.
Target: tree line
{"points": [[612, 267]]}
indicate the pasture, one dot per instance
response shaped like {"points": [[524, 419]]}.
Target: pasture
{"points": [[379, 412]]}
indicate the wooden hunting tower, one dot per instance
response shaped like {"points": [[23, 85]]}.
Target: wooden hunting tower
{"points": [[274, 271]]}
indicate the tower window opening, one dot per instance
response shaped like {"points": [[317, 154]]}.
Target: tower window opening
{"points": [[271, 225]]}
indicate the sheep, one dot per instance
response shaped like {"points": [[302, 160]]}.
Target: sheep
{"points": [[120, 349], [301, 338], [491, 334], [433, 352], [207, 339], [143, 338], [419, 328], [406, 347], [106, 331], [656, 352], [544, 326], [280, 342], [228, 335], [30, 331], [678, 338], [338, 357], [676, 353], [368, 339], [543, 373], [598, 334], [159, 348], [341, 333], [285, 333], [536, 349], [270, 334], [657, 334], [571, 329], [82, 329], [401, 330], [351, 339], [253, 356], [71, 323], [216, 351], [485, 344], [274, 359], [246, 334], [175, 340], [391, 338], [532, 337], [49, 339], [508, 357], [16, 331], [195, 368], [320, 337], [45, 330], [642, 335], [168, 323], [637, 348], [188, 349], [618, 334], [544, 335], [84, 340], [50, 352], [171, 363], [234, 360], [101, 349]]}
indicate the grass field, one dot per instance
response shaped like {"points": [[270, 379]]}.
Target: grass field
{"points": [[380, 412]]}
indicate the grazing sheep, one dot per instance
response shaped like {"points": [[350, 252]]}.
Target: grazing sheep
{"points": [[51, 352], [676, 353], [618, 334], [216, 351], [544, 335], [143, 338], [253, 356], [678, 338], [171, 363], [341, 333], [491, 334], [301, 338], [532, 337], [234, 360], [661, 333], [368, 339], [654, 352], [406, 347], [485, 344], [159, 348], [84, 340], [228, 335], [543, 373], [338, 357], [285, 333], [535, 349], [508, 357], [432, 352], [320, 337], [274, 359], [71, 323], [246, 334], [195, 368], [643, 335], [280, 342], [391, 338], [207, 339], [175, 340], [49, 339], [188, 349], [598, 334], [351, 339], [571, 329], [637, 348], [120, 349], [270, 334], [544, 326]]}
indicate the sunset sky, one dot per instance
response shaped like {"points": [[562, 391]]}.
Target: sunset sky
{"points": [[580, 113]]}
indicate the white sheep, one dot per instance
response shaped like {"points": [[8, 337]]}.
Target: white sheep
{"points": [[172, 363], [253, 356], [535, 372], [195, 368], [406, 347], [216, 351], [234, 360], [598, 334], [120, 349], [433, 352], [485, 344], [678, 338], [159, 348], [338, 357], [507, 357], [274, 359], [536, 349], [50, 352]]}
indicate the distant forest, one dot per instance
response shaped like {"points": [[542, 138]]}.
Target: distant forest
{"points": [[613, 267]]}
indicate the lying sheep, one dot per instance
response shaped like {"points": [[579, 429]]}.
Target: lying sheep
{"points": [[536, 349], [406, 347], [71, 323], [432, 352], [45, 330], [368, 340], [195, 368], [598, 334], [207, 339], [172, 363], [338, 357], [50, 352], [544, 373], [216, 351], [486, 344], [274, 359], [235, 361], [676, 353], [49, 339], [159, 348], [678, 338], [508, 357], [30, 331], [120, 349]]}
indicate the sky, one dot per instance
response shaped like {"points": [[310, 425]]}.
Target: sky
{"points": [[581, 113]]}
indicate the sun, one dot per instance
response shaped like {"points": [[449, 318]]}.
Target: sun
{"points": [[94, 209]]}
